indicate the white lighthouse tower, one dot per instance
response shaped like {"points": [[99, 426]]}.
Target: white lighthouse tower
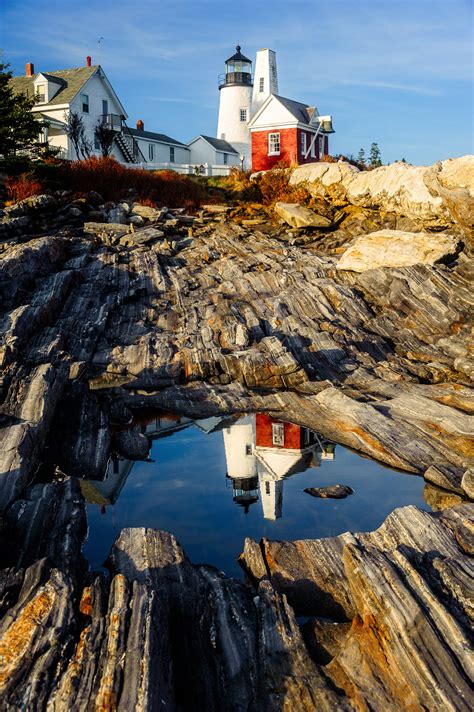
{"points": [[235, 104]]}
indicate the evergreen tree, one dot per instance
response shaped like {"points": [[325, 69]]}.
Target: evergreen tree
{"points": [[375, 158], [19, 129], [361, 156]]}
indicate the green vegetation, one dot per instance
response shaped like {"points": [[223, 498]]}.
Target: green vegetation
{"points": [[19, 129]]}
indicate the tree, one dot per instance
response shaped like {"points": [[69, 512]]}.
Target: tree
{"points": [[76, 132], [19, 128], [375, 157], [361, 156], [105, 138]]}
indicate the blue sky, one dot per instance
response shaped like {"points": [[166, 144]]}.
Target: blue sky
{"points": [[398, 72]]}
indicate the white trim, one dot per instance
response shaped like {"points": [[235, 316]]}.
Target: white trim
{"points": [[295, 125], [273, 153]]}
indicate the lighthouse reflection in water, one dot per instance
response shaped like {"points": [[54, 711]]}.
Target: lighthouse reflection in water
{"points": [[261, 452], [212, 482]]}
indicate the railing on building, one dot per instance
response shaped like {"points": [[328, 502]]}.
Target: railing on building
{"points": [[112, 121], [190, 169], [117, 123], [230, 78]]}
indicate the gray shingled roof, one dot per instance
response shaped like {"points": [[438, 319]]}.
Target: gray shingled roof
{"points": [[161, 138], [72, 80], [219, 144], [297, 109]]}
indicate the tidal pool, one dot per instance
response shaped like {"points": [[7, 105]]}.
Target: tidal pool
{"points": [[214, 482]]}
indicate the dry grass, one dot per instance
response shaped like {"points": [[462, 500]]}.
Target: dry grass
{"points": [[114, 181], [21, 187]]}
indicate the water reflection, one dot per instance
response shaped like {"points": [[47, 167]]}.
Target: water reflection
{"points": [[212, 482], [260, 451]]}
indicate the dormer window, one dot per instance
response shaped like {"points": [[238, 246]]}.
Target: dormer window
{"points": [[85, 103], [41, 93]]}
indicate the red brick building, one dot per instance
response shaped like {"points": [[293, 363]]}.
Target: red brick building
{"points": [[287, 131], [273, 433]]}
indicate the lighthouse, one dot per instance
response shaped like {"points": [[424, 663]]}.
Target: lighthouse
{"points": [[235, 103]]}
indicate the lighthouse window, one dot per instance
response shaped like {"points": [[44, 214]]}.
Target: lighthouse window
{"points": [[262, 84], [248, 449], [274, 144], [278, 434], [243, 114]]}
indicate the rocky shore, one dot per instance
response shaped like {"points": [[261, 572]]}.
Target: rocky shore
{"points": [[354, 321]]}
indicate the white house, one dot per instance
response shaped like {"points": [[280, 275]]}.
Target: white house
{"points": [[160, 149], [215, 152], [87, 92]]}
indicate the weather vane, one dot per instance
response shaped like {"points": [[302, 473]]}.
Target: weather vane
{"points": [[99, 47]]}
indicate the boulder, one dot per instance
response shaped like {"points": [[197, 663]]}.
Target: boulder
{"points": [[114, 229], [145, 211], [396, 248], [320, 176], [296, 215], [117, 215], [458, 173], [434, 196], [330, 492]]}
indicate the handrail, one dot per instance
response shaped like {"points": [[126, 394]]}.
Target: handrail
{"points": [[136, 151]]}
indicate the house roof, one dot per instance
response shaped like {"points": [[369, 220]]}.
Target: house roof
{"points": [[160, 138], [218, 143], [71, 81], [296, 108], [301, 112]]}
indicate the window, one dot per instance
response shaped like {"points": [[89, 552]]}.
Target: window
{"points": [[243, 114], [278, 434], [274, 144], [151, 151], [85, 103], [172, 154], [321, 146], [105, 107], [303, 144], [225, 159], [267, 487], [41, 93], [248, 449], [261, 84], [313, 147], [96, 142]]}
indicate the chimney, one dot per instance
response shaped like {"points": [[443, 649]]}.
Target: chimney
{"points": [[88, 61], [30, 69], [140, 125]]}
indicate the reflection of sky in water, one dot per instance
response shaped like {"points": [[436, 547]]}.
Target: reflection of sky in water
{"points": [[187, 493]]}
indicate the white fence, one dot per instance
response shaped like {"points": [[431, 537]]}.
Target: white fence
{"points": [[189, 169]]}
